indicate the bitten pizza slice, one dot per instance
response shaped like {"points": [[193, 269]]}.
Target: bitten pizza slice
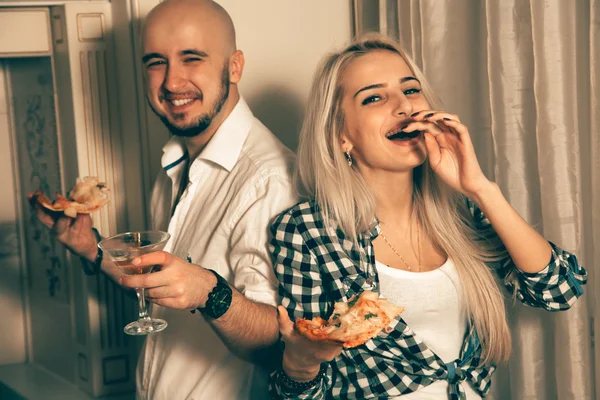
{"points": [[352, 323], [88, 195]]}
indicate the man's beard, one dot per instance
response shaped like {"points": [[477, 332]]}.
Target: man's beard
{"points": [[203, 121]]}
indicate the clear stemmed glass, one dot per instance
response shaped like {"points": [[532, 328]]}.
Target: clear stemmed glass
{"points": [[122, 249]]}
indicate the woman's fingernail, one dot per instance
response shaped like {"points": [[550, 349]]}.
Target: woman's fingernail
{"points": [[415, 114], [428, 115], [136, 261], [447, 119]]}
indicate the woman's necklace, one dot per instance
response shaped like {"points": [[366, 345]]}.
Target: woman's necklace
{"points": [[398, 254]]}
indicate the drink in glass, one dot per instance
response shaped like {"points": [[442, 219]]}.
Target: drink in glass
{"points": [[122, 250]]}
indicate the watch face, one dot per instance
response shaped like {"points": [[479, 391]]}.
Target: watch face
{"points": [[221, 300]]}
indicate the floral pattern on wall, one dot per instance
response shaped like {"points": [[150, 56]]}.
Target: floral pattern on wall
{"points": [[35, 128], [39, 168]]}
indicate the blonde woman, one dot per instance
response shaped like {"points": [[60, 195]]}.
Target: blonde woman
{"points": [[399, 204]]}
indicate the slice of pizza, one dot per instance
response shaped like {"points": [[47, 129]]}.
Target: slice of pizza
{"points": [[352, 323], [88, 195]]}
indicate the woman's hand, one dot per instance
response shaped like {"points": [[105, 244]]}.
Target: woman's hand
{"points": [[302, 357], [450, 151]]}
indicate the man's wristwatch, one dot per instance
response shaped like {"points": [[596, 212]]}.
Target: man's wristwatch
{"points": [[219, 299], [92, 268]]}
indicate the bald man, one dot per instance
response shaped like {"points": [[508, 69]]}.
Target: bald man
{"points": [[224, 177]]}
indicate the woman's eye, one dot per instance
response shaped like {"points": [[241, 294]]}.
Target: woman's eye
{"points": [[370, 99], [412, 91]]}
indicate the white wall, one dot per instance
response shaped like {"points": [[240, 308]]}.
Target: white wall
{"points": [[283, 41]]}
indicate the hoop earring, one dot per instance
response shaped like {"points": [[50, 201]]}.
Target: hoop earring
{"points": [[348, 157]]}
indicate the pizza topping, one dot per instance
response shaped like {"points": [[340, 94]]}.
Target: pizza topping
{"points": [[352, 323], [88, 195]]}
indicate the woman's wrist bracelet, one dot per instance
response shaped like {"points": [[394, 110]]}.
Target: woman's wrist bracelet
{"points": [[293, 386]]}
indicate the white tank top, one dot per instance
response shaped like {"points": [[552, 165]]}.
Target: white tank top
{"points": [[433, 309]]}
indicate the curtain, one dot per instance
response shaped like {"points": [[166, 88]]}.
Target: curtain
{"points": [[524, 76]]}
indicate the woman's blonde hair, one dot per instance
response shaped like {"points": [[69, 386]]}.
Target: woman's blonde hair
{"points": [[347, 202]]}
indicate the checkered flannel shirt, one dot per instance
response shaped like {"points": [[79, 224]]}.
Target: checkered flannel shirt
{"points": [[317, 266]]}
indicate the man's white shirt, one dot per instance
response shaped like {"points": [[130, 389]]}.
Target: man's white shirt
{"points": [[237, 185]]}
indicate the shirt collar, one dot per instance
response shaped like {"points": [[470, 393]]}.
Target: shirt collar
{"points": [[374, 231], [371, 233], [225, 146], [174, 153]]}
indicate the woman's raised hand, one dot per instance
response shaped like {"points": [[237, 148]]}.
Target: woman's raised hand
{"points": [[450, 151]]}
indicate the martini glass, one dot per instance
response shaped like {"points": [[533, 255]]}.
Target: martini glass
{"points": [[122, 249]]}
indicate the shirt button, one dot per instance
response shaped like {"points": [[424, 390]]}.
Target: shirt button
{"points": [[369, 281]]}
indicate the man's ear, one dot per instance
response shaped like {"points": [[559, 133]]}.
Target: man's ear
{"points": [[236, 66]]}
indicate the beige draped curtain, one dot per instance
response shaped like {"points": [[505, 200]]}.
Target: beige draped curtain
{"points": [[524, 75]]}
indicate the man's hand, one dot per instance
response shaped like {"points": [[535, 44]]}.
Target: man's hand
{"points": [[178, 284], [74, 233]]}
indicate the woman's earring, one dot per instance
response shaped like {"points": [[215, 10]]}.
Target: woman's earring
{"points": [[348, 157]]}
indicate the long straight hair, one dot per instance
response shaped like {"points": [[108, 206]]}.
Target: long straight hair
{"points": [[348, 203]]}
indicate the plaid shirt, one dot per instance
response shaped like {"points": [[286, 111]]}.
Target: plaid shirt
{"points": [[317, 266]]}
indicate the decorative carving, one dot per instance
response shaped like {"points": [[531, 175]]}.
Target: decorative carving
{"points": [[90, 27], [57, 29], [98, 119], [82, 366], [115, 369], [35, 131]]}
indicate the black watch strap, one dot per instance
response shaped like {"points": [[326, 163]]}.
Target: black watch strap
{"points": [[92, 268], [219, 299]]}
